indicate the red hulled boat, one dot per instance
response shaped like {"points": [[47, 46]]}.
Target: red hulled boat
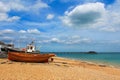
{"points": [[29, 57]]}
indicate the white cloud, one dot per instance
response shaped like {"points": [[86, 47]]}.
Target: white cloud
{"points": [[56, 40], [50, 16], [69, 40], [73, 1], [84, 15], [15, 5], [78, 1], [7, 31], [95, 16], [38, 5], [22, 31], [23, 5], [53, 40], [41, 24], [86, 40], [7, 38], [4, 17], [4, 9], [19, 5], [76, 39], [113, 16], [111, 21], [30, 31], [14, 18], [33, 31], [108, 29]]}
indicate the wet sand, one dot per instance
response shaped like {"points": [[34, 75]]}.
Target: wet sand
{"points": [[59, 69]]}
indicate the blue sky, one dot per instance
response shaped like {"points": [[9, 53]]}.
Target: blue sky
{"points": [[62, 25]]}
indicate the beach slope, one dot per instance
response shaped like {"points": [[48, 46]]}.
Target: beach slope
{"points": [[60, 69]]}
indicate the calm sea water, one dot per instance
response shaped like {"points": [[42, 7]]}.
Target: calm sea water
{"points": [[111, 58]]}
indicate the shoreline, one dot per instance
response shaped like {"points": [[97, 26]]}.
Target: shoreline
{"points": [[88, 62], [91, 62], [100, 63], [59, 69]]}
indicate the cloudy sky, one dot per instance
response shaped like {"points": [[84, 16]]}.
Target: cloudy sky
{"points": [[62, 25]]}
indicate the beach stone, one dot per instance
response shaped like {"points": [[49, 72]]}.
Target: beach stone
{"points": [[64, 62], [66, 65], [57, 64], [102, 65], [10, 62], [2, 62], [91, 64]]}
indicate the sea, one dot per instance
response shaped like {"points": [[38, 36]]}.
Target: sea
{"points": [[106, 58]]}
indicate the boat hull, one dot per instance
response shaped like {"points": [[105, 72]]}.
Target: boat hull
{"points": [[28, 57]]}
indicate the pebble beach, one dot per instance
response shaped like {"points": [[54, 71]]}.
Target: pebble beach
{"points": [[59, 69]]}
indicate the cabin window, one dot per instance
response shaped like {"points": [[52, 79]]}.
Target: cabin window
{"points": [[31, 47], [27, 47]]}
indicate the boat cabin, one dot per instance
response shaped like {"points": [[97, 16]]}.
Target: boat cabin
{"points": [[30, 48]]}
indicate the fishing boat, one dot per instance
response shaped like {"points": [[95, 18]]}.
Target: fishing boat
{"points": [[4, 50], [28, 54], [29, 57]]}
